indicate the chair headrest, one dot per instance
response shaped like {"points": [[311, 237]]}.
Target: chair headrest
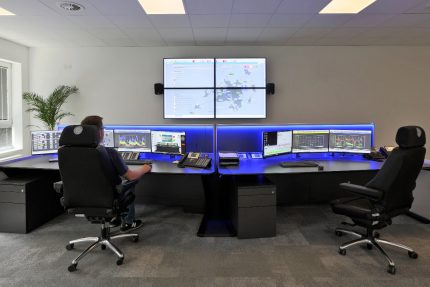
{"points": [[410, 137], [80, 135]]}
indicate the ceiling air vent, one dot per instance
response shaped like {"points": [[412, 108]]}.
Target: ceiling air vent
{"points": [[71, 6]]}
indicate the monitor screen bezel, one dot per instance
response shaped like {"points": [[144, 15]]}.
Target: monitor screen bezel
{"points": [[116, 145], [353, 152], [178, 132], [321, 151], [48, 151], [277, 154]]}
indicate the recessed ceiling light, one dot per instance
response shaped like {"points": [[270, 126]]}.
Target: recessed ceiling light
{"points": [[345, 6], [4, 12], [163, 6], [70, 6]]}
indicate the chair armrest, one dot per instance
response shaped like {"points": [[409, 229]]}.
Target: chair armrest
{"points": [[363, 190], [58, 186], [126, 185]]}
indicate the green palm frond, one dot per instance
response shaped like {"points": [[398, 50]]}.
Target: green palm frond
{"points": [[49, 110]]}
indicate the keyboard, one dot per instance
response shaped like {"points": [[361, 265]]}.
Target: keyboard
{"points": [[299, 164], [138, 162]]}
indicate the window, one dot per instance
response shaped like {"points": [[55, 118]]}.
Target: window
{"points": [[5, 107]]}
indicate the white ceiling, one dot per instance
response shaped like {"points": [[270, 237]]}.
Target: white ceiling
{"points": [[41, 23]]}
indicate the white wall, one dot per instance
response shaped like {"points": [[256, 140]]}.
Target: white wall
{"points": [[18, 56], [385, 85]]}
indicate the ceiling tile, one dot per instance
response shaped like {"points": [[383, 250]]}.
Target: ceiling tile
{"points": [[249, 20], [301, 41], [41, 22], [118, 7], [346, 32], [27, 8], [122, 42], [143, 34], [91, 21], [367, 20], [107, 33], [208, 6], [170, 21], [178, 35], [302, 6], [324, 20], [391, 6], [276, 35], [312, 32], [132, 21], [255, 6], [289, 20], [406, 20], [243, 34], [89, 10], [210, 34], [210, 20]]}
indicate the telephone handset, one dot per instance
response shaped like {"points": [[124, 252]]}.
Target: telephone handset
{"points": [[194, 159], [386, 150]]}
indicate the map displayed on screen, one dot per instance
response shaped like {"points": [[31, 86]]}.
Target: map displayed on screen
{"points": [[191, 103], [188, 73], [241, 103], [241, 73]]}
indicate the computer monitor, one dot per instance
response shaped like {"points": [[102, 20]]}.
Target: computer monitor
{"points": [[132, 140], [108, 140], [310, 141], [45, 142], [242, 103], [277, 143], [188, 103], [168, 142], [189, 73], [350, 141]]}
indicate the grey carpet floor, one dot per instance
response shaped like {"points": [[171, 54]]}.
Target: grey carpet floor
{"points": [[304, 253]]}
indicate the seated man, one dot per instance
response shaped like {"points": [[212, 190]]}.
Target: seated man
{"points": [[128, 222]]}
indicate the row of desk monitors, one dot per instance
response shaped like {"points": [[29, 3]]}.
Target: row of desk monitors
{"points": [[167, 142], [274, 142], [302, 141]]}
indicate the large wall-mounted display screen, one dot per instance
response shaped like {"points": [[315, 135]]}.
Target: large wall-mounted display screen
{"points": [[215, 88]]}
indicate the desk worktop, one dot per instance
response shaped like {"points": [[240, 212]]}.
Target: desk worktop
{"points": [[42, 162]]}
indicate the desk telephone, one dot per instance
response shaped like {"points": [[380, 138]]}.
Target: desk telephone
{"points": [[194, 159]]}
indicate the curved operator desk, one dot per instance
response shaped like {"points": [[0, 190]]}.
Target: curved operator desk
{"points": [[41, 162]]}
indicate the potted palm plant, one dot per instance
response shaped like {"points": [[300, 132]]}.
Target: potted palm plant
{"points": [[49, 110]]}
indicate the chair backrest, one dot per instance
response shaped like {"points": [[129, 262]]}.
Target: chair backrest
{"points": [[85, 168], [399, 173]]}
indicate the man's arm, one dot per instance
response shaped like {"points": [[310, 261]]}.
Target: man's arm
{"points": [[133, 174]]}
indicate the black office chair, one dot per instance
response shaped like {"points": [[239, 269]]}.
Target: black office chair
{"points": [[387, 195], [89, 188]]}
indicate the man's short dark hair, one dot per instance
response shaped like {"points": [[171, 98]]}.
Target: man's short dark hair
{"points": [[93, 121]]}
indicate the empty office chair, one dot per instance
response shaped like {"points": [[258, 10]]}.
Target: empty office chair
{"points": [[88, 186], [387, 195]]}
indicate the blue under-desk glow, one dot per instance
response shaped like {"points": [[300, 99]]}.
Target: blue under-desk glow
{"points": [[248, 138]]}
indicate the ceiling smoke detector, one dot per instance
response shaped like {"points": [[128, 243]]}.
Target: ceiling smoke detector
{"points": [[71, 6]]}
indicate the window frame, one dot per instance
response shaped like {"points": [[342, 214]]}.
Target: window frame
{"points": [[9, 122]]}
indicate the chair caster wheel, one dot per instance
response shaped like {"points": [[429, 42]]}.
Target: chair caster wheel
{"points": [[103, 247], [70, 247], [391, 269], [413, 254], [135, 239], [369, 246], [377, 235], [72, 267], [119, 261], [342, 251], [338, 233]]}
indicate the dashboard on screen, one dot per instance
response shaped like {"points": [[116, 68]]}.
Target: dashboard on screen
{"points": [[215, 88]]}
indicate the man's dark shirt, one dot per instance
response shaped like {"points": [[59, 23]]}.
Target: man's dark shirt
{"points": [[118, 165]]}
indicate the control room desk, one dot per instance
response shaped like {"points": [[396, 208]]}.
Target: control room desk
{"points": [[310, 185], [166, 184]]}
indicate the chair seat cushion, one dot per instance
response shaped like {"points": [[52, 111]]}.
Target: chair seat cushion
{"points": [[353, 207]]}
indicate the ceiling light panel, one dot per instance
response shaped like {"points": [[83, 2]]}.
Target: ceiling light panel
{"points": [[4, 12], [346, 6], [163, 6]]}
